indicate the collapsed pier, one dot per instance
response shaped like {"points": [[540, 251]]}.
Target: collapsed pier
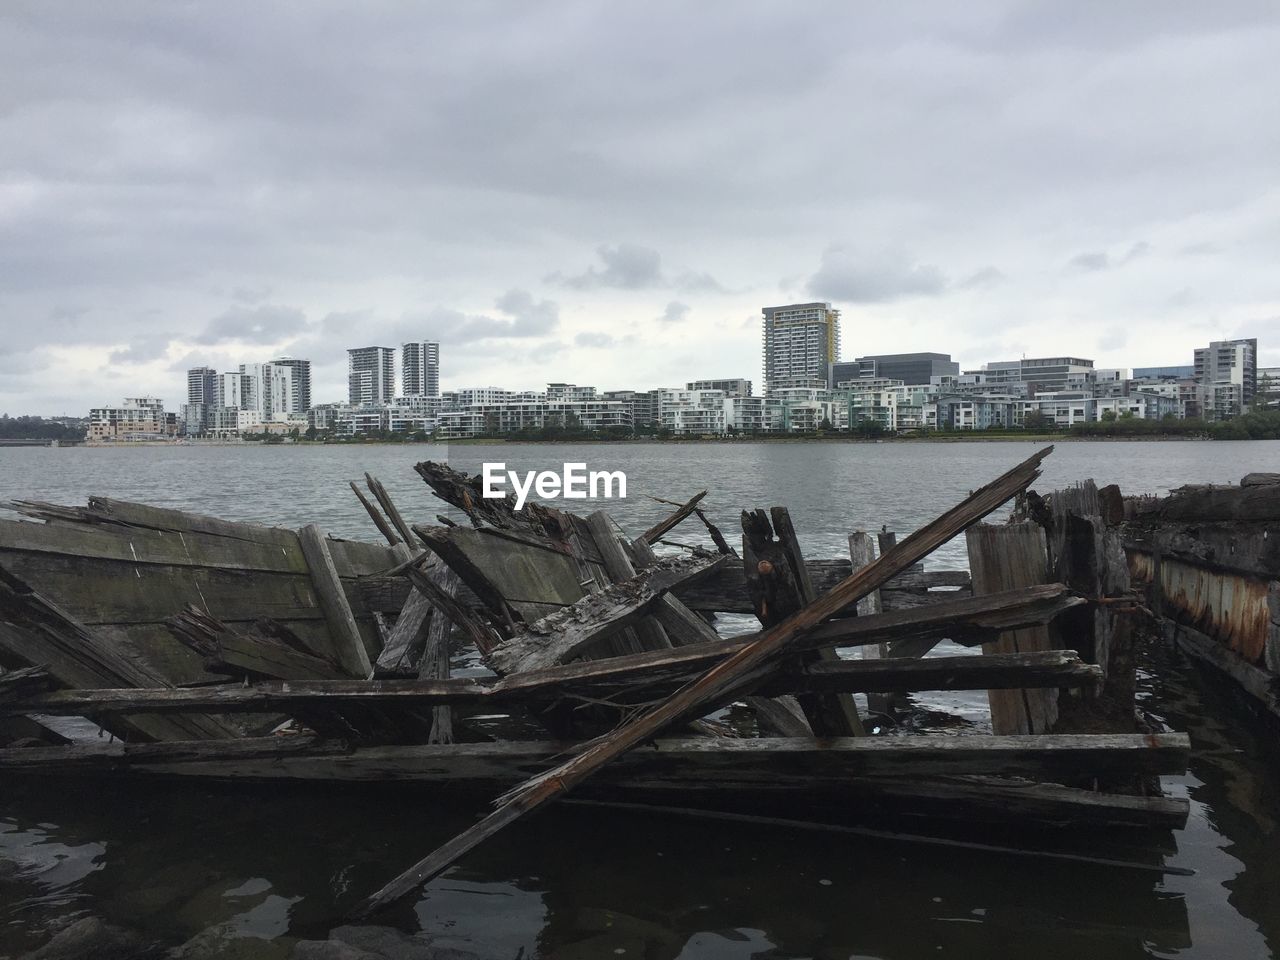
{"points": [[213, 649]]}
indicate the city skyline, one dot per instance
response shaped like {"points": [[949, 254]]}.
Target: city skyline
{"points": [[1099, 186]]}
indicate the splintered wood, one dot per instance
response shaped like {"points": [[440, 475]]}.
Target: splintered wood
{"points": [[605, 671]]}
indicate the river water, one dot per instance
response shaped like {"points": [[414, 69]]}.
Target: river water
{"points": [[236, 873]]}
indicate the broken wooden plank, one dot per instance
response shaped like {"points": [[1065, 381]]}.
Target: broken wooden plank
{"points": [[862, 552], [389, 507], [441, 594], [1010, 557], [719, 681], [617, 565], [663, 527], [384, 526], [348, 646], [265, 650], [563, 634]]}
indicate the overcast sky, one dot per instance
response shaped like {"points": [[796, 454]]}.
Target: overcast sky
{"points": [[608, 193]]}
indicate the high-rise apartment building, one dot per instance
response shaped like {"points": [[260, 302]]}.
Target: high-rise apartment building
{"points": [[1227, 373], [202, 386], [420, 369], [800, 340], [300, 383], [371, 375]]}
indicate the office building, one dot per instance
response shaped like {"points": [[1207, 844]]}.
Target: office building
{"points": [[800, 340], [911, 368], [371, 376], [420, 369]]}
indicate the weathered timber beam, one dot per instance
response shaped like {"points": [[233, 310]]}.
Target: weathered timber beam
{"points": [[697, 763], [1055, 668], [573, 629], [1214, 503], [663, 527], [347, 645]]}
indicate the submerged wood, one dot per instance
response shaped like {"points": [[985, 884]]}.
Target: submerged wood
{"points": [[717, 682], [570, 631]]}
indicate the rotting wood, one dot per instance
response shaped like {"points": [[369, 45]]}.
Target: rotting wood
{"points": [[444, 601], [574, 629], [435, 656], [712, 530], [780, 764], [665, 526], [1006, 557], [781, 715], [348, 645], [267, 650], [36, 631], [379, 521], [618, 566], [778, 580], [389, 507], [1054, 668], [717, 682], [862, 552]]}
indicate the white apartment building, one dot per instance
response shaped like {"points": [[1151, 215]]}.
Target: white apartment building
{"points": [[371, 375], [136, 419], [420, 368], [800, 340]]}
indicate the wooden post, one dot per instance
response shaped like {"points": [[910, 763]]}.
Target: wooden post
{"points": [[348, 645], [1006, 557], [862, 551], [779, 583]]}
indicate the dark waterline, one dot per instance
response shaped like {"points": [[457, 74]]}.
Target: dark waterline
{"points": [[240, 870]]}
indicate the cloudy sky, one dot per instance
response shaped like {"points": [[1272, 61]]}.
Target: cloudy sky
{"points": [[608, 193]]}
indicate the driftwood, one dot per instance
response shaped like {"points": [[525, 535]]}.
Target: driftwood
{"points": [[718, 682]]}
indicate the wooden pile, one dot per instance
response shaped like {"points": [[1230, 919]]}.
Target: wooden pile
{"points": [[226, 650]]}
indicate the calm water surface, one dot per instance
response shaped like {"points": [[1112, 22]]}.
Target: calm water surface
{"points": [[238, 873]]}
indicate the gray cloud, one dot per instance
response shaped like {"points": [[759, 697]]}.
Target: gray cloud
{"points": [[262, 325], [873, 277], [590, 339], [630, 266], [674, 312], [1096, 260], [142, 350], [981, 279]]}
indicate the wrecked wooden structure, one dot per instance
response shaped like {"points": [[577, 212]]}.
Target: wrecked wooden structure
{"points": [[213, 649], [1209, 559]]}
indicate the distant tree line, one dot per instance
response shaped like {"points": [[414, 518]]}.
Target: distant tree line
{"points": [[36, 428]]}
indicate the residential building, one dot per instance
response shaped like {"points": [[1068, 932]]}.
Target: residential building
{"points": [[202, 386], [1227, 371], [800, 340], [732, 388], [1164, 373], [642, 406], [973, 412], [371, 375], [136, 419], [420, 368], [1039, 374], [1268, 395], [239, 391], [299, 384], [752, 415]]}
